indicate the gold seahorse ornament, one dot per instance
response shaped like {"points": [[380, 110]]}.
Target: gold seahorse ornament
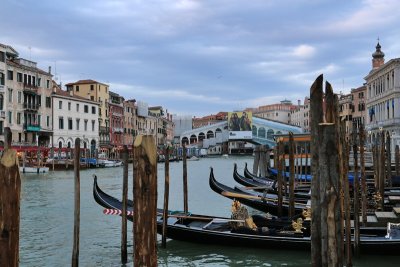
{"points": [[298, 225]]}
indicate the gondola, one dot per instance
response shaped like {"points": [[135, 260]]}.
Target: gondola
{"points": [[267, 184], [250, 175], [265, 203], [219, 231], [246, 181]]}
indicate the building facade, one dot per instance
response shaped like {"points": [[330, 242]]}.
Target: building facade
{"points": [[74, 117], [383, 97], [130, 124], [25, 99], [359, 114], [300, 117], [116, 115], [99, 92], [209, 120], [277, 112]]}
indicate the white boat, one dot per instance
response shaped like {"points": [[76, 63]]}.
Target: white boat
{"points": [[29, 169], [193, 158], [107, 163]]}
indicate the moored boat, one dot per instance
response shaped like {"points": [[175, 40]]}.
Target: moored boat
{"points": [[221, 231], [32, 169]]}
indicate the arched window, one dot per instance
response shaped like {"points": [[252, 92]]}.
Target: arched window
{"points": [[210, 134], [60, 144]]}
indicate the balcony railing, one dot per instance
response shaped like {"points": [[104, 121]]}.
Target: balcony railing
{"points": [[31, 106], [116, 114], [30, 88], [103, 129], [104, 143], [118, 130]]}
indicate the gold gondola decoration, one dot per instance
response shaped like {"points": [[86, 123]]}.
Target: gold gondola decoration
{"points": [[298, 225]]}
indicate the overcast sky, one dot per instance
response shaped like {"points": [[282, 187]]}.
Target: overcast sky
{"points": [[202, 57]]}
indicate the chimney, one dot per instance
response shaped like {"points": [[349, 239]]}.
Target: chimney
{"points": [[49, 69], [298, 102]]}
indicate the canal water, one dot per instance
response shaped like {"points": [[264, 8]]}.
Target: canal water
{"points": [[47, 217]]}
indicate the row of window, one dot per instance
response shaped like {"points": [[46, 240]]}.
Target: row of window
{"points": [[85, 107], [27, 99], [77, 124], [25, 78], [29, 119], [91, 88], [381, 84]]}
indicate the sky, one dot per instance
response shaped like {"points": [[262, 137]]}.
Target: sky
{"points": [[201, 57]]}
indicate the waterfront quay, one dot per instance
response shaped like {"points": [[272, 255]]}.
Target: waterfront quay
{"points": [[47, 210]]}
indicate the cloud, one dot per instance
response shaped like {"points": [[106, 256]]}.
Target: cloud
{"points": [[303, 51], [372, 15]]}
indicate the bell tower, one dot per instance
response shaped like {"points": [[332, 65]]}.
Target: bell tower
{"points": [[378, 57]]}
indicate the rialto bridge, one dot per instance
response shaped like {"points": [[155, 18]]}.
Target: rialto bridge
{"points": [[263, 132]]}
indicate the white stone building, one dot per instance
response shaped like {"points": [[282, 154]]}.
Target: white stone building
{"points": [[74, 117], [383, 97]]}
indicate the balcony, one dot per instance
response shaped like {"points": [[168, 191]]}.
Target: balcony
{"points": [[2, 87], [30, 88], [103, 129], [104, 143], [118, 130], [31, 106], [31, 127], [119, 115], [2, 114]]}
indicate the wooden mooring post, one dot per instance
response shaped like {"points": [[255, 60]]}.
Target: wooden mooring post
{"points": [[256, 160], [77, 205], [124, 236], [10, 191], [356, 194], [280, 176], [316, 117], [388, 161], [166, 199], [364, 201], [326, 223], [397, 160], [185, 185], [145, 201], [382, 170], [291, 177]]}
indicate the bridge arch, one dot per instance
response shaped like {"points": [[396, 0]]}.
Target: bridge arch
{"points": [[185, 141], [270, 134], [193, 139], [261, 132], [210, 134], [201, 136], [254, 130]]}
